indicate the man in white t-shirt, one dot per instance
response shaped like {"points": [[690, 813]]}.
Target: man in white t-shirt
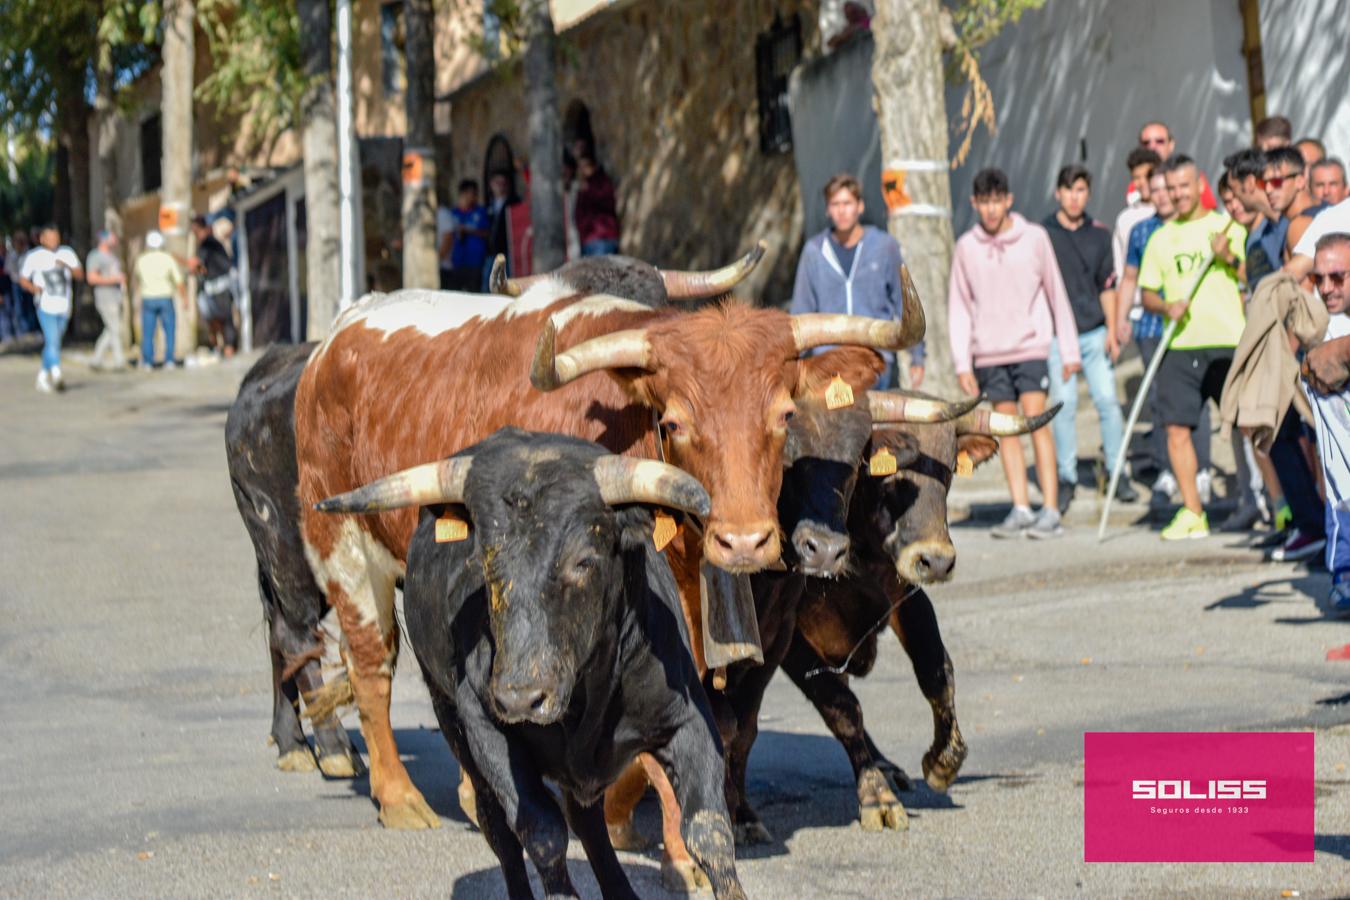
{"points": [[1332, 220], [49, 272], [1331, 412]]}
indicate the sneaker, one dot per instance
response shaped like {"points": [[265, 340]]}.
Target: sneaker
{"points": [[1016, 524], [44, 382], [1046, 525], [1204, 483], [1339, 598], [1186, 525], [1299, 546], [1066, 489], [1273, 539], [1164, 489], [1244, 518], [1125, 491]]}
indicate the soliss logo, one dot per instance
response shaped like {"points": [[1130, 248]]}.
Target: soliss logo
{"points": [[1212, 790]]}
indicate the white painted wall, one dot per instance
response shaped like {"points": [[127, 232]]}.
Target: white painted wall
{"points": [[1305, 48], [1093, 71]]}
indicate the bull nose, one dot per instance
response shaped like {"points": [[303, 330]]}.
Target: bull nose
{"points": [[743, 549], [521, 702], [937, 566], [821, 552]]}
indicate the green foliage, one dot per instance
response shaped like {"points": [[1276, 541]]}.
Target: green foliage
{"points": [[258, 69], [26, 184], [974, 24]]}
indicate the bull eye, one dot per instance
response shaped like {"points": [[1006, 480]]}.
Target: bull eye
{"points": [[671, 428]]}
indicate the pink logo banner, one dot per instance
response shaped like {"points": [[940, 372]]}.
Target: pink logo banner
{"points": [[1198, 797]]}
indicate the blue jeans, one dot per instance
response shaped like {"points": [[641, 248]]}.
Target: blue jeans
{"points": [[1101, 379], [599, 248], [53, 328], [156, 309]]}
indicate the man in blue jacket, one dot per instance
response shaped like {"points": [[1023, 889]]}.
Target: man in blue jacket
{"points": [[855, 269]]}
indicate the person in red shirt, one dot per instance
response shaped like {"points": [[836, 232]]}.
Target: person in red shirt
{"points": [[1158, 137], [597, 217]]}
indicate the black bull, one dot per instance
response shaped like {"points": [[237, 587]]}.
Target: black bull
{"points": [[554, 647]]}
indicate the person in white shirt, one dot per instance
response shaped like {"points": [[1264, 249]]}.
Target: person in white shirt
{"points": [[50, 271], [1331, 410], [1332, 220]]}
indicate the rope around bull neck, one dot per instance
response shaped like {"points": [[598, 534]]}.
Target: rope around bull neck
{"points": [[843, 667]]}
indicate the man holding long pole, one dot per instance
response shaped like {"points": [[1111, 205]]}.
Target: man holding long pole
{"points": [[1208, 317]]}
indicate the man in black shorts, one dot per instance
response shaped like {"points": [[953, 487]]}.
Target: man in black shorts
{"points": [[1006, 304]]}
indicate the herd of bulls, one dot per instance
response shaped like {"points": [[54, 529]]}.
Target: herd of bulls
{"points": [[598, 602]]}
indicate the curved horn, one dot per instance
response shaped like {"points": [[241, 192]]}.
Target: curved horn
{"points": [[698, 285], [438, 482], [997, 424], [911, 308], [551, 370], [623, 479], [498, 283], [893, 408], [818, 329]]}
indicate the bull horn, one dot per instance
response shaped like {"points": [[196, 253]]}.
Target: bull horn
{"points": [[889, 407], [698, 285], [551, 369], [498, 283], [997, 424], [911, 307], [438, 482], [623, 479]]}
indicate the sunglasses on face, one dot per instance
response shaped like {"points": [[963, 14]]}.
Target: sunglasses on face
{"points": [[1274, 183], [1335, 278]]}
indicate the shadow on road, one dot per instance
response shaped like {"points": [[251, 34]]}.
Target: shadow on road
{"points": [[430, 764], [1312, 585]]}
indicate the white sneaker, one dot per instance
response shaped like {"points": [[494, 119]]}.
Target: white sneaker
{"points": [[57, 381], [1204, 483], [44, 382]]}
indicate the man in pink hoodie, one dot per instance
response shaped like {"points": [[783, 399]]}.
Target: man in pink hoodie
{"points": [[1007, 302]]}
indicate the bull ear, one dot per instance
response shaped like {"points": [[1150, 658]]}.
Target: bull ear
{"points": [[978, 447], [902, 445], [857, 366]]}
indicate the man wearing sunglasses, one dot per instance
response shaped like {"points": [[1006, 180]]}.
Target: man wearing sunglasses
{"points": [[1157, 137], [1286, 189], [1331, 411], [1209, 324]]}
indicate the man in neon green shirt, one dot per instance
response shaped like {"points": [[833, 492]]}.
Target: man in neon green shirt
{"points": [[1209, 325]]}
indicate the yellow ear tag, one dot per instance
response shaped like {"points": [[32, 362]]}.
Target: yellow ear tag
{"points": [[838, 394], [965, 466], [882, 463], [449, 529], [664, 531]]}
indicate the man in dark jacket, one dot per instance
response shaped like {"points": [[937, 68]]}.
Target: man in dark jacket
{"points": [[215, 286], [1083, 251]]}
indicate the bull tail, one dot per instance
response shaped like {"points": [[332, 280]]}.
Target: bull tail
{"points": [[330, 698]]}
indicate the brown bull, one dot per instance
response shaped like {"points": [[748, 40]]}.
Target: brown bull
{"points": [[415, 376]]}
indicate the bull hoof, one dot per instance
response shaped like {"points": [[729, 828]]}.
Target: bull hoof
{"points": [[683, 876], [340, 765], [878, 807], [468, 801], [751, 833], [940, 768], [625, 836], [297, 760], [410, 814]]}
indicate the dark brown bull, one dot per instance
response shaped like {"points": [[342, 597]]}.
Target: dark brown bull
{"points": [[898, 528]]}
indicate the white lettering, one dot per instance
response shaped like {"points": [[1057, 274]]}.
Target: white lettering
{"points": [[1224, 789]]}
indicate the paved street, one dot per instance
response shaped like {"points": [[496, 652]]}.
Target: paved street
{"points": [[136, 698]]}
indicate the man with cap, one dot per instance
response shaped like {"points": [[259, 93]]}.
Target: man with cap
{"points": [[158, 278], [103, 271]]}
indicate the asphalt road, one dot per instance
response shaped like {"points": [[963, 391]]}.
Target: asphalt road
{"points": [[135, 695]]}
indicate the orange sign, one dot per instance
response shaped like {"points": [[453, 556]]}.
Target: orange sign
{"points": [[893, 189], [168, 219], [412, 167]]}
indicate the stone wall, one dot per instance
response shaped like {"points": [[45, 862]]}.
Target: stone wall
{"points": [[672, 98]]}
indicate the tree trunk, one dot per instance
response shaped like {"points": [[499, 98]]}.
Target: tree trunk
{"points": [[420, 263], [907, 78], [318, 121], [541, 99], [61, 189], [75, 135], [106, 113], [176, 163]]}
